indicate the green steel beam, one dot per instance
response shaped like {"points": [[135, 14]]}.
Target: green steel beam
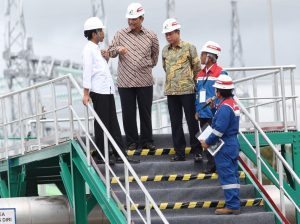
{"points": [[16, 181], [3, 189], [97, 187], [79, 203], [49, 152], [91, 202], [277, 138], [67, 179]]}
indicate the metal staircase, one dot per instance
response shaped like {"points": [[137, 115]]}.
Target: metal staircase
{"points": [[56, 144], [53, 145], [184, 193]]}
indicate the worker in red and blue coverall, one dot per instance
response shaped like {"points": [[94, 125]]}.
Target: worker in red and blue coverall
{"points": [[225, 125], [205, 90]]}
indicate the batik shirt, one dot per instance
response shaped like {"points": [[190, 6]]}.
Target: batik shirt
{"points": [[181, 64]]}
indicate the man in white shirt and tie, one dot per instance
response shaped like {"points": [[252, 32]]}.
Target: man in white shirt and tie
{"points": [[99, 86]]}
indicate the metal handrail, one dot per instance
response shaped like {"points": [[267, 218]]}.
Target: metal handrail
{"points": [[126, 163], [235, 69], [278, 155], [73, 116]]}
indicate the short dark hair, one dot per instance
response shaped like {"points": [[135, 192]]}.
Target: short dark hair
{"points": [[225, 92], [89, 33]]}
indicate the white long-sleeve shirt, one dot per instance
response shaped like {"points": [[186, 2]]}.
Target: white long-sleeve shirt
{"points": [[96, 74]]}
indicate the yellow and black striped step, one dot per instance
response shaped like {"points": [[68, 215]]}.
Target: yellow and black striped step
{"points": [[200, 204], [174, 177], [157, 152]]}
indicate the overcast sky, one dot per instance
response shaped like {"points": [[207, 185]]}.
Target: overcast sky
{"points": [[57, 26]]}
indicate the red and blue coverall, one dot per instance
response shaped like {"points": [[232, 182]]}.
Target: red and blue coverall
{"points": [[225, 125]]}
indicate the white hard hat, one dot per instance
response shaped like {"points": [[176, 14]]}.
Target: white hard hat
{"points": [[135, 10], [170, 25], [211, 47], [224, 82], [93, 23]]}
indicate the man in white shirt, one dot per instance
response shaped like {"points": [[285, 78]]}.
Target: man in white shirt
{"points": [[99, 86]]}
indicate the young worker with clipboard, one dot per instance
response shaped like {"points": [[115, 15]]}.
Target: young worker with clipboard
{"points": [[225, 126]]}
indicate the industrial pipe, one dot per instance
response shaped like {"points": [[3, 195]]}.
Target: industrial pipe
{"points": [[48, 210]]}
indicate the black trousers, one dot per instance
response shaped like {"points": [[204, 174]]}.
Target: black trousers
{"points": [[175, 105], [104, 105], [143, 96], [210, 158]]}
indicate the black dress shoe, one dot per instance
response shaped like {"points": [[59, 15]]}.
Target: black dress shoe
{"points": [[149, 146], [132, 146], [98, 160], [177, 158], [210, 170], [130, 160], [198, 158]]}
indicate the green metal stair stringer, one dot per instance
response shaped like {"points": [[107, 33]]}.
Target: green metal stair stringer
{"points": [[91, 202], [97, 187], [66, 179], [17, 183], [3, 189]]}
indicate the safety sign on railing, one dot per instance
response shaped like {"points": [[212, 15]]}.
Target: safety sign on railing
{"points": [[7, 216]]}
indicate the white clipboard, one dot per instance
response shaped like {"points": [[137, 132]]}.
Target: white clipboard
{"points": [[213, 149]]}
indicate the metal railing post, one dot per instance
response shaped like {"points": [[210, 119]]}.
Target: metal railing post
{"points": [[255, 100], [148, 210], [21, 123], [159, 117], [293, 91], [282, 85], [55, 112], [281, 188], [258, 156], [38, 122], [128, 206], [4, 127], [257, 145], [276, 93], [107, 174], [70, 111], [87, 141]]}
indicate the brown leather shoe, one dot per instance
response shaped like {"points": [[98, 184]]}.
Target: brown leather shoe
{"points": [[227, 211]]}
